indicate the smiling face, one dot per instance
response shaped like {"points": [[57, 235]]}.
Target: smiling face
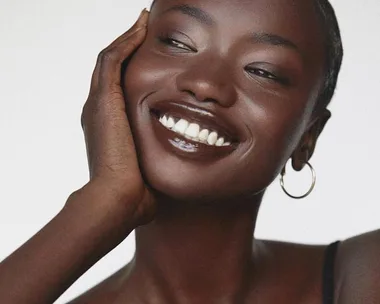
{"points": [[246, 71]]}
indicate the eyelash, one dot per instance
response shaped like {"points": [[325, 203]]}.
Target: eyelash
{"points": [[175, 43], [256, 71], [265, 74]]}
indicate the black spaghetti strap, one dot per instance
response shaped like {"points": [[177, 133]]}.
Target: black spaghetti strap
{"points": [[328, 273]]}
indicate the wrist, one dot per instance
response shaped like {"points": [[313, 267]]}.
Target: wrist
{"points": [[103, 208]]}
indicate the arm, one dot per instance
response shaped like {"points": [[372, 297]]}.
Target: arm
{"points": [[97, 217], [45, 266]]}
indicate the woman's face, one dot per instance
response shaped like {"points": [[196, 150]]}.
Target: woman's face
{"points": [[247, 70]]}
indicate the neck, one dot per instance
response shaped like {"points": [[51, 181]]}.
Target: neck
{"points": [[198, 252]]}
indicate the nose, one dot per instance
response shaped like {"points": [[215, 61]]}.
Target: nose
{"points": [[208, 81]]}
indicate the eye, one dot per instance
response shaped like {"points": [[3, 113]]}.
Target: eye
{"points": [[261, 73], [265, 74], [177, 44]]}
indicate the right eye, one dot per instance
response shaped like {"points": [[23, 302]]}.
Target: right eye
{"points": [[176, 44]]}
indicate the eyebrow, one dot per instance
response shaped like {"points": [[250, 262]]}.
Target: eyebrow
{"points": [[273, 39], [194, 12]]}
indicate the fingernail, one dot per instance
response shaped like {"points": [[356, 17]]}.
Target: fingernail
{"points": [[142, 12]]}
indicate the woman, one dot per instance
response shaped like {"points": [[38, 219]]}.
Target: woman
{"points": [[219, 96]]}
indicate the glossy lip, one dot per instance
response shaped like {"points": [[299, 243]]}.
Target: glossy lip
{"points": [[185, 147], [206, 119]]}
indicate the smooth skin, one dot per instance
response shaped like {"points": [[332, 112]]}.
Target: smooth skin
{"points": [[194, 236]]}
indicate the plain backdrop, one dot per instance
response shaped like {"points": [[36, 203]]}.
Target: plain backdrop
{"points": [[47, 53]]}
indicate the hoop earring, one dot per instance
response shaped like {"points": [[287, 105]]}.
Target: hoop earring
{"points": [[311, 187]]}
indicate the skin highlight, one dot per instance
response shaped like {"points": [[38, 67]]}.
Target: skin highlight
{"points": [[256, 100], [277, 120], [260, 79]]}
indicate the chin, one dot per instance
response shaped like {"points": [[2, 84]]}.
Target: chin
{"points": [[188, 180], [189, 187]]}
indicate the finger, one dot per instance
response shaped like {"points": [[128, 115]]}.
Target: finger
{"points": [[110, 59], [109, 142], [108, 68]]}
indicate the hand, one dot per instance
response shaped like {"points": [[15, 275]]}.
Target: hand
{"points": [[110, 148]]}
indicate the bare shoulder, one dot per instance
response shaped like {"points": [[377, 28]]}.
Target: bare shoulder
{"points": [[288, 267], [357, 271], [293, 273]]}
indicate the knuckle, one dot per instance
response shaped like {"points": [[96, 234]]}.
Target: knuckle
{"points": [[107, 56], [101, 55], [88, 110], [93, 109]]}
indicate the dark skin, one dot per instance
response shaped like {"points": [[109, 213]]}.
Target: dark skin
{"points": [[194, 236]]}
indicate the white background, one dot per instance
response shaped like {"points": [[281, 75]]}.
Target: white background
{"points": [[47, 54]]}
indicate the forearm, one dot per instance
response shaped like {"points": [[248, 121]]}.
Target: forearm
{"points": [[45, 266]]}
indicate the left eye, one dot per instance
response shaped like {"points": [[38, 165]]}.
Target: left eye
{"points": [[262, 73], [265, 74], [177, 44]]}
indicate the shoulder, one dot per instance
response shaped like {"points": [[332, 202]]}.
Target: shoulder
{"points": [[357, 269], [292, 271], [356, 273]]}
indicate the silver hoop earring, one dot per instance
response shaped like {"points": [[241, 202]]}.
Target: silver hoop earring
{"points": [[311, 188]]}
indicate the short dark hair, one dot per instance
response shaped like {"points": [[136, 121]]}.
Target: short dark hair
{"points": [[333, 51]]}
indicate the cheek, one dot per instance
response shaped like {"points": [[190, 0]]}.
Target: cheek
{"points": [[138, 76], [147, 73], [276, 127]]}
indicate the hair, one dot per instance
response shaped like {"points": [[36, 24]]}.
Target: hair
{"points": [[333, 51]]}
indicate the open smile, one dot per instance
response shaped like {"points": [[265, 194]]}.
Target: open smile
{"points": [[192, 132]]}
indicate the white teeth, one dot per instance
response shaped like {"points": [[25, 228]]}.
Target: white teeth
{"points": [[212, 138], [193, 130], [170, 124], [219, 142], [164, 121], [181, 126], [203, 135]]}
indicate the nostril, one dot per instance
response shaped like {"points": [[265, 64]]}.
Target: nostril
{"points": [[190, 93], [209, 100], [201, 96]]}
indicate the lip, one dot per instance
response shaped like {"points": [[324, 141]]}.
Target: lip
{"points": [[187, 148], [207, 119], [182, 146]]}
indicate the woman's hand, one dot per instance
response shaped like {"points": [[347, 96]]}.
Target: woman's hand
{"points": [[97, 217], [111, 152]]}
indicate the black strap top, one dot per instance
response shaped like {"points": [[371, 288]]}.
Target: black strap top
{"points": [[328, 273]]}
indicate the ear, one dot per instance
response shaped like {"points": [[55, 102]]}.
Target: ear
{"points": [[306, 146]]}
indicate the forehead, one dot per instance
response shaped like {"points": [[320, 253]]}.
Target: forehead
{"points": [[300, 10], [295, 20]]}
